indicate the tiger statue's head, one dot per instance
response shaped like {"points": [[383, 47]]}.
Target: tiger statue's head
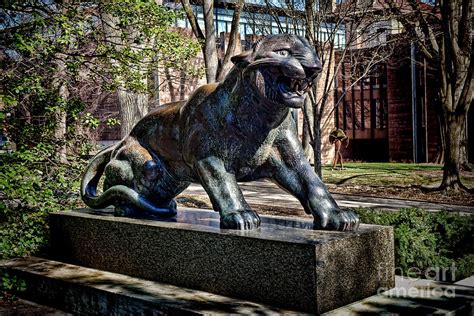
{"points": [[281, 67]]}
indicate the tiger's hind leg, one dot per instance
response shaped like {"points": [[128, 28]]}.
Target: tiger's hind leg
{"points": [[144, 175]]}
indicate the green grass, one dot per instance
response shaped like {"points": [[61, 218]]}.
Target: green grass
{"points": [[394, 174]]}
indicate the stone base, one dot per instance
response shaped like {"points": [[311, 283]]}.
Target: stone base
{"points": [[284, 263]]}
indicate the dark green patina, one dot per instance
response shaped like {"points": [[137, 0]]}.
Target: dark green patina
{"points": [[238, 130]]}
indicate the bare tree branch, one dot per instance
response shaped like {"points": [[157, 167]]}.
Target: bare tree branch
{"points": [[192, 20], [234, 38]]}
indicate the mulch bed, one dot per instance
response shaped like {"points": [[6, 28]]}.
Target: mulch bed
{"points": [[407, 192]]}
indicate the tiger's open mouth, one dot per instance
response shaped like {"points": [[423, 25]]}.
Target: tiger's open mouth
{"points": [[293, 87], [283, 83]]}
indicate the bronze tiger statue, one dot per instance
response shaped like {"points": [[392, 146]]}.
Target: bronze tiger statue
{"points": [[238, 130]]}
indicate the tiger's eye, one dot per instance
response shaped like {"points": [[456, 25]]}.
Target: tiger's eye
{"points": [[282, 52]]}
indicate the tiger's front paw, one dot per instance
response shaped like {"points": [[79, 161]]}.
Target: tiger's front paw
{"points": [[341, 220], [241, 220]]}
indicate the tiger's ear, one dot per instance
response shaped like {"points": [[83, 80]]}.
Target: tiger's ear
{"points": [[244, 57]]}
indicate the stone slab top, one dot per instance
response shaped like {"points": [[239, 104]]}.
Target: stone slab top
{"points": [[284, 229]]}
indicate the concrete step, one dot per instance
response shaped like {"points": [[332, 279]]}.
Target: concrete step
{"points": [[84, 291], [416, 297]]}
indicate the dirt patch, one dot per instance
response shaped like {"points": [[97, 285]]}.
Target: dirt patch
{"points": [[195, 201], [279, 211]]}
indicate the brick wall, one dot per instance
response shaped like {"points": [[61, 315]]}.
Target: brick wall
{"points": [[173, 86], [327, 122], [395, 143], [400, 113], [400, 143]]}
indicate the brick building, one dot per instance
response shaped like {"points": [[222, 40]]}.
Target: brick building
{"points": [[377, 112], [391, 114]]}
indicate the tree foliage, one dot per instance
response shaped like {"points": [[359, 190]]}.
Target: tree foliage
{"points": [[57, 58], [43, 43]]}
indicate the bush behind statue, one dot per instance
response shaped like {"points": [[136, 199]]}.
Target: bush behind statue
{"points": [[428, 241], [33, 184]]}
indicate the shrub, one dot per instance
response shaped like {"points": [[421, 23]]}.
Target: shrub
{"points": [[9, 285], [426, 240], [31, 186]]}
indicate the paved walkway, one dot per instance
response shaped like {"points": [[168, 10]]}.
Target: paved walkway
{"points": [[267, 193]]}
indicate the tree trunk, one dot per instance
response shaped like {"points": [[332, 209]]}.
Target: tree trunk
{"points": [[317, 140], [463, 159], [169, 80], [182, 85], [452, 152], [308, 122], [439, 158], [60, 84], [210, 49], [447, 44], [208, 38], [233, 39], [132, 107], [154, 101]]}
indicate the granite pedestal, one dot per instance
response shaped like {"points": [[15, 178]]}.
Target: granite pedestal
{"points": [[284, 263]]}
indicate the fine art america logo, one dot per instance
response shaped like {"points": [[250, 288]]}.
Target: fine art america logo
{"points": [[420, 283]]}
